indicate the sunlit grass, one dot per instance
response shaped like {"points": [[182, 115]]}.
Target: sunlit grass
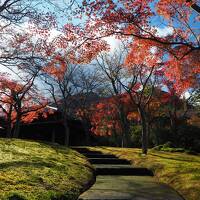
{"points": [[179, 170], [33, 170]]}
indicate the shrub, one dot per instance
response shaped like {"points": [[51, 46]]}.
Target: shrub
{"points": [[168, 145]]}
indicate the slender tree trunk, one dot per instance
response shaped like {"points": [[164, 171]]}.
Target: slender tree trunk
{"points": [[67, 132], [173, 126], [148, 131], [86, 131], [144, 130], [9, 130], [125, 131], [9, 123], [144, 137], [123, 142], [125, 127], [116, 137], [17, 127], [158, 127]]}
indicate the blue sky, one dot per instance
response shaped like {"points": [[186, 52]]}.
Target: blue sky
{"points": [[59, 7]]}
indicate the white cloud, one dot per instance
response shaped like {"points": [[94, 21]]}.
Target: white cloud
{"points": [[54, 33], [163, 32], [113, 42]]}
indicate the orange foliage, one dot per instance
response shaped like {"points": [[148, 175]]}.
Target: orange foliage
{"points": [[16, 101], [105, 118], [140, 21]]}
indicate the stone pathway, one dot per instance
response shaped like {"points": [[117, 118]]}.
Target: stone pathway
{"points": [[117, 179]]}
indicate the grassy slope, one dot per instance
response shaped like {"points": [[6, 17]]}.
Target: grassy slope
{"points": [[179, 170], [33, 170]]}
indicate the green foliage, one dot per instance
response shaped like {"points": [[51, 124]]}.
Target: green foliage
{"points": [[158, 148], [168, 145], [159, 131], [35, 171], [188, 137], [173, 149]]}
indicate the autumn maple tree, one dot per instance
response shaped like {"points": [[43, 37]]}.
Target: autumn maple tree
{"points": [[132, 78], [20, 102], [111, 69], [107, 119], [142, 21], [60, 72], [162, 43], [24, 57]]}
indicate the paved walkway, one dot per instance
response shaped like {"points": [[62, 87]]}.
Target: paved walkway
{"points": [[118, 180]]}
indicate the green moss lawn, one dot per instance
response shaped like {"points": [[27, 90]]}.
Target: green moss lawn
{"points": [[33, 170], [179, 170]]}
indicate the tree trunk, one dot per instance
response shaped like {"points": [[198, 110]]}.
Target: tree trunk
{"points": [[17, 127], [144, 130], [86, 131], [125, 131], [144, 137], [173, 126], [125, 127], [123, 141], [148, 131], [67, 132], [9, 130], [9, 123]]}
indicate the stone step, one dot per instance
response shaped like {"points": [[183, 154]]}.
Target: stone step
{"points": [[108, 161], [80, 149], [98, 155], [84, 150], [125, 171], [129, 188], [112, 166]]}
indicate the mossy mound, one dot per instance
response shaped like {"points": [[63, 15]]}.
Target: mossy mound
{"points": [[34, 170]]}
